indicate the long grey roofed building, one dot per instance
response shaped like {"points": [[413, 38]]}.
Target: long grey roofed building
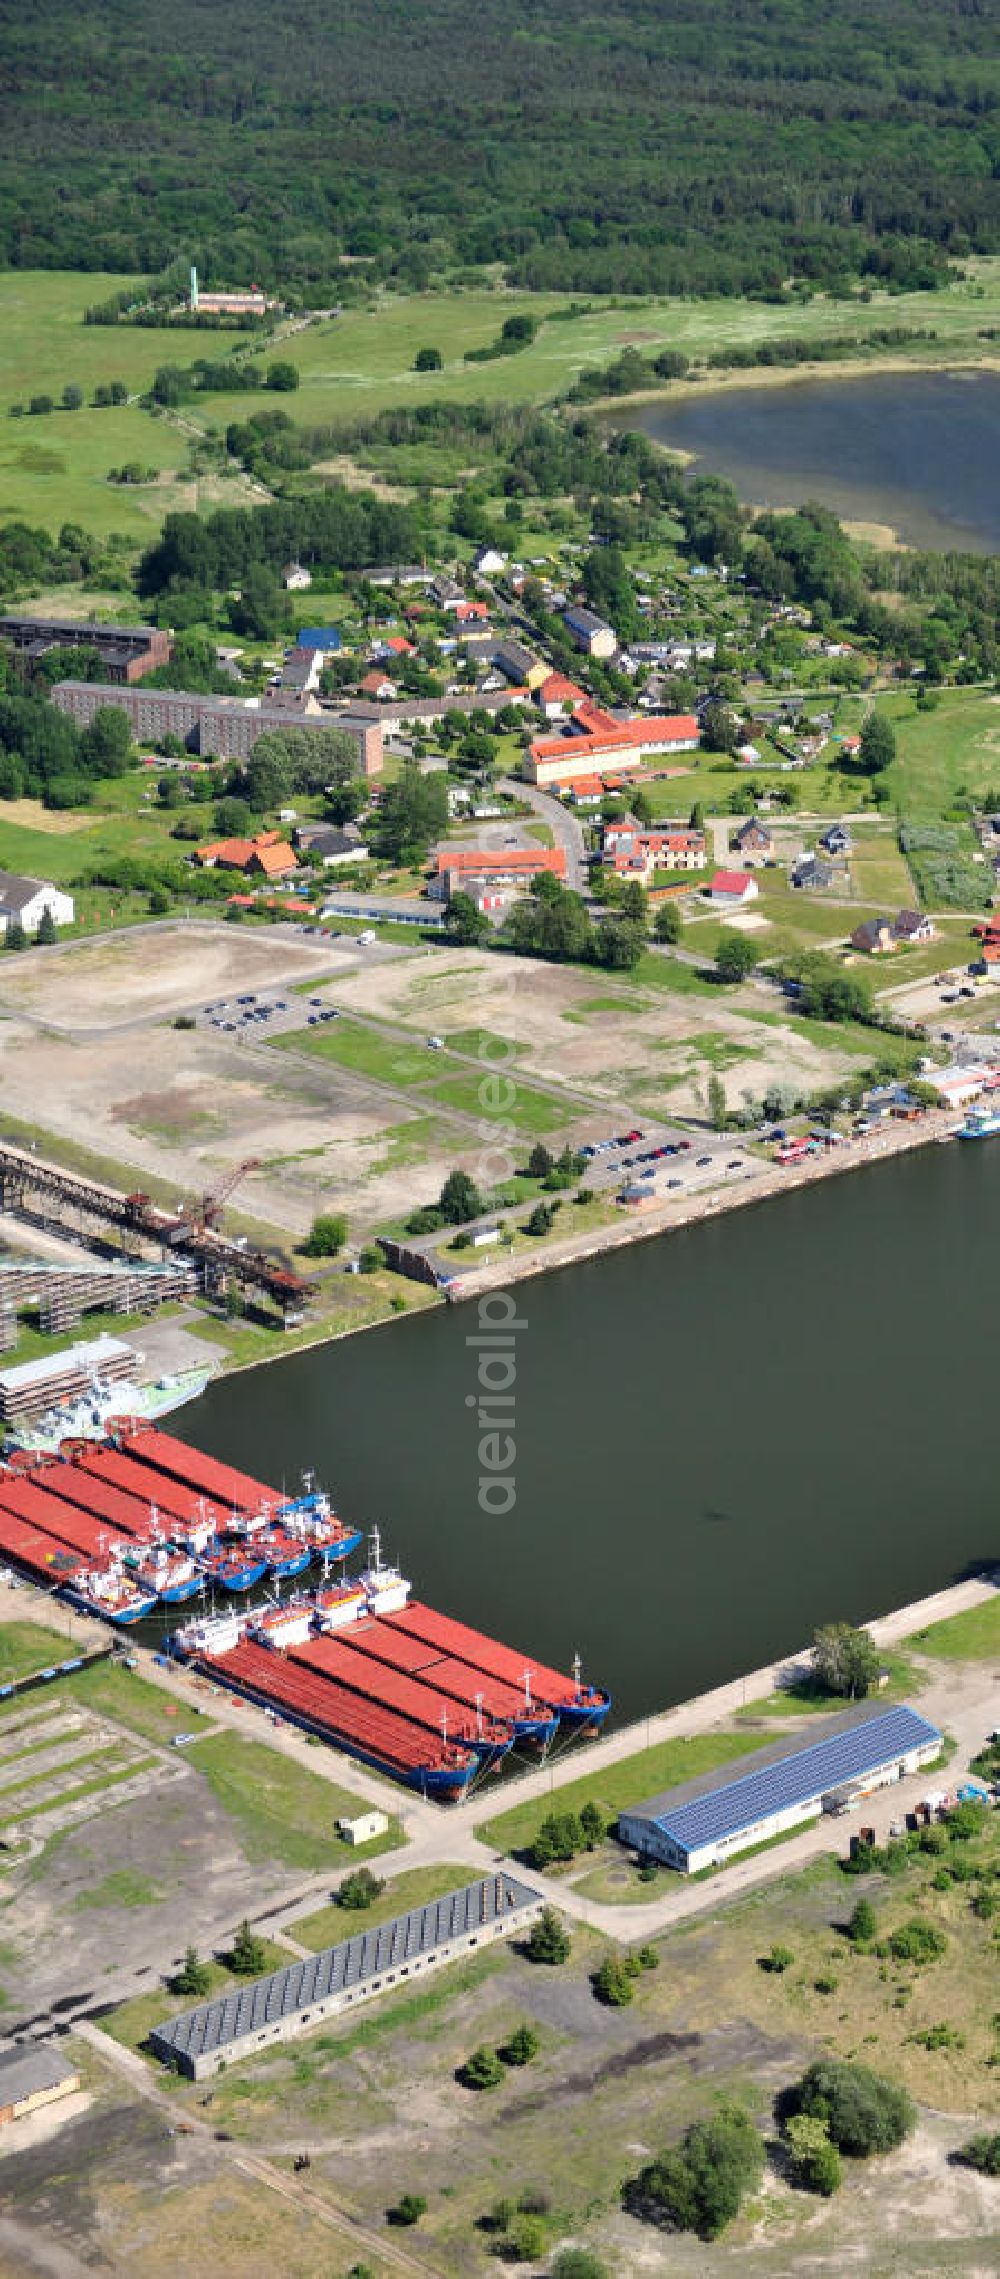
{"points": [[779, 1786], [273, 2008]]}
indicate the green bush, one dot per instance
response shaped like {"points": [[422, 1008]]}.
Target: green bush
{"points": [[408, 2209], [814, 2161], [700, 2184], [483, 2070], [779, 1960], [864, 2113], [917, 1941], [982, 2153], [940, 2037], [359, 1890], [326, 1236], [520, 2047], [612, 1982]]}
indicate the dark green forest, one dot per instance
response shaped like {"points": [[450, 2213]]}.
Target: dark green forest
{"points": [[669, 145]]}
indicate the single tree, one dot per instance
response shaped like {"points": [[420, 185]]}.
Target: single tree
{"points": [[717, 1109], [844, 1660], [460, 1199], [593, 1824], [248, 1956], [428, 360], [326, 1236], [464, 922], [548, 1939], [862, 1927], [877, 744], [667, 923], [612, 1982], [46, 932], [540, 1161], [735, 957], [482, 2070], [194, 1977]]}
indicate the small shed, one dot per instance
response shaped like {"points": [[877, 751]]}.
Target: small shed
{"points": [[32, 2074], [363, 1828]]}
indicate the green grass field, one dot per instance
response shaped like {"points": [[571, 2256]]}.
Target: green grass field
{"points": [[416, 1887], [970, 1637], [363, 362], [282, 1811], [26, 1646], [386, 1059], [940, 750], [617, 1785]]}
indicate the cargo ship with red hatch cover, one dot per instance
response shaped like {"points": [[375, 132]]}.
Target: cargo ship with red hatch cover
{"points": [[242, 1508]]}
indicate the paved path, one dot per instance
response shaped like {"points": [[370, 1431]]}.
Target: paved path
{"points": [[566, 829], [304, 2197]]}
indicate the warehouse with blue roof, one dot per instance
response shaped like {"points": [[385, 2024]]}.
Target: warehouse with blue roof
{"points": [[738, 1806]]}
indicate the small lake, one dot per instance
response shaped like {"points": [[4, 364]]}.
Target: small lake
{"points": [[919, 451], [724, 1436]]}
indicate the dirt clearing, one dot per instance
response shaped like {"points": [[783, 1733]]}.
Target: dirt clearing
{"points": [[162, 970]]}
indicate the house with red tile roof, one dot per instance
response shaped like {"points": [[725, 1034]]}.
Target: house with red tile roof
{"points": [[473, 870], [733, 889], [268, 853], [556, 694], [593, 739]]}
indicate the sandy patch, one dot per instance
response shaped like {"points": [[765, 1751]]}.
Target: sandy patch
{"points": [[325, 1140], [30, 815], [130, 976]]}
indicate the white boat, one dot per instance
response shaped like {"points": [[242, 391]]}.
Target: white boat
{"points": [[283, 1626], [340, 1605], [88, 1417], [210, 1634], [386, 1590]]}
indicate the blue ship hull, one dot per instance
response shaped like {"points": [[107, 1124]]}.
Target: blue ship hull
{"points": [[341, 1550], [178, 1592], [294, 1564], [535, 1728], [587, 1715], [122, 1617], [235, 1578]]}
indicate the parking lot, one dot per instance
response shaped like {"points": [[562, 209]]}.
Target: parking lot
{"points": [[257, 1013], [663, 1163]]}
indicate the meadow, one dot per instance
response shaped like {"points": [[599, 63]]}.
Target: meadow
{"points": [[54, 468]]}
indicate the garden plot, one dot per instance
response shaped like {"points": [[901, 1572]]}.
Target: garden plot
{"points": [[59, 1764]]}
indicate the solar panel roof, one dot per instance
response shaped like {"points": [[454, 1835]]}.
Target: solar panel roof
{"points": [[845, 1753], [352, 1963]]}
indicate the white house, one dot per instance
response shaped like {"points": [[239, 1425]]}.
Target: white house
{"points": [[295, 578], [733, 889], [27, 899], [489, 561]]}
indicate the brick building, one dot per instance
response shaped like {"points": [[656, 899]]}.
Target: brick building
{"points": [[217, 727], [127, 652]]}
